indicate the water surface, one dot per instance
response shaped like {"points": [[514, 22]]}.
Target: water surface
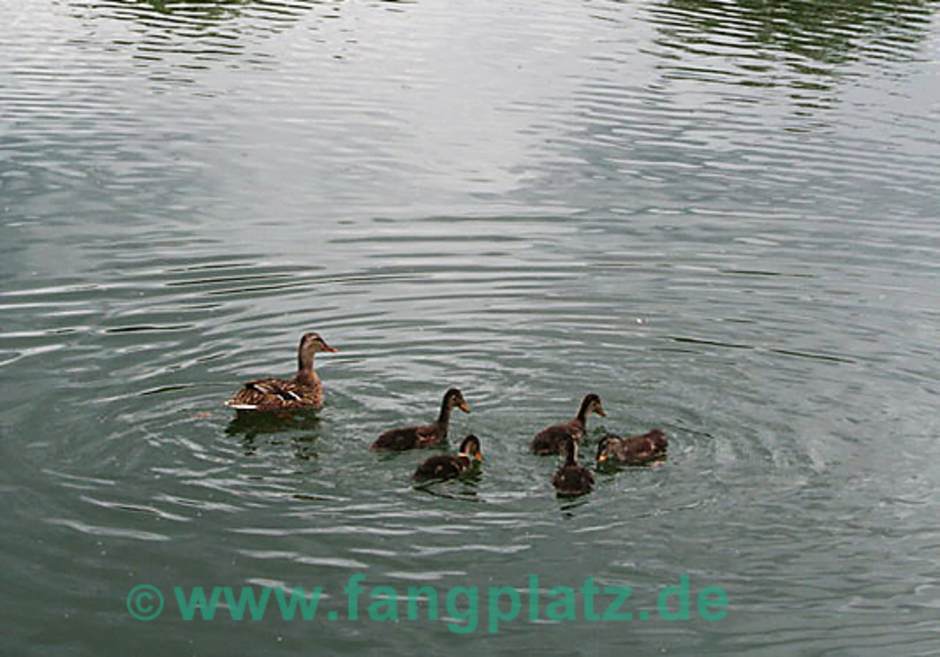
{"points": [[719, 216]]}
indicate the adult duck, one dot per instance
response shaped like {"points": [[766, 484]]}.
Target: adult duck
{"points": [[302, 391]]}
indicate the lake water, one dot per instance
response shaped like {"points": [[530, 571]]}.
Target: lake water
{"points": [[722, 217]]}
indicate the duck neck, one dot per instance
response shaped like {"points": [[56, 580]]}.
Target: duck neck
{"points": [[581, 417], [571, 454], [443, 418], [305, 372]]}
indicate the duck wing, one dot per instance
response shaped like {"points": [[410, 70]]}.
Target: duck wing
{"points": [[444, 466], [638, 450], [573, 480], [276, 394], [408, 438]]}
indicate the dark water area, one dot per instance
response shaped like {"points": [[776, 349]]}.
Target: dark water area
{"points": [[722, 217]]}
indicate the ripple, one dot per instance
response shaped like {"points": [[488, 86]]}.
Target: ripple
{"points": [[719, 216], [116, 532]]}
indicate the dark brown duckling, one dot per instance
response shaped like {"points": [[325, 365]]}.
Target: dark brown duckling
{"points": [[572, 479], [632, 450], [427, 435], [550, 440], [451, 466], [302, 391]]}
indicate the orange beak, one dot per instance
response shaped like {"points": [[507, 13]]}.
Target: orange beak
{"points": [[600, 411], [478, 456], [464, 406]]}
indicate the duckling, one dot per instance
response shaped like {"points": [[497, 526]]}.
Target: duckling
{"points": [[632, 450], [572, 479], [302, 391], [550, 440], [427, 435], [450, 466]]}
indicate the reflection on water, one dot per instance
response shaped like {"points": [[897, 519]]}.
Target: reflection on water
{"points": [[464, 490], [803, 46], [192, 35], [303, 447], [830, 33], [258, 431], [721, 217]]}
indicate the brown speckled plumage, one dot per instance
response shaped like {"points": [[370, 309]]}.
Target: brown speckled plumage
{"points": [[303, 391]]}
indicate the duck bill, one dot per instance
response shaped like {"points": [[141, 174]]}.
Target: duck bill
{"points": [[464, 406], [327, 348], [601, 412], [478, 456], [602, 458]]}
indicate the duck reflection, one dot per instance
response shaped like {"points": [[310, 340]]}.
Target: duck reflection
{"points": [[251, 426], [464, 489]]}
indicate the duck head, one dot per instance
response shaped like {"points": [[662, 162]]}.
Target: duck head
{"points": [[602, 450], [590, 404], [453, 398], [311, 343], [470, 447]]}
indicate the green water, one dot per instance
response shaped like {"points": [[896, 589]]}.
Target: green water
{"points": [[722, 217]]}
